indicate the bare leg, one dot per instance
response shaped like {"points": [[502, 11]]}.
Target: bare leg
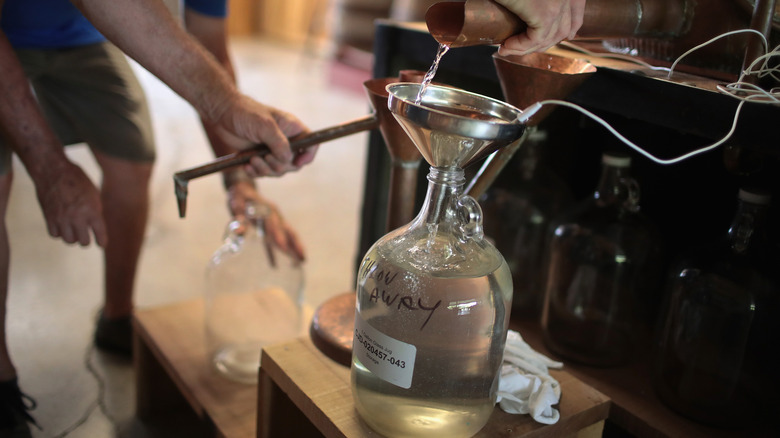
{"points": [[125, 196], [7, 370]]}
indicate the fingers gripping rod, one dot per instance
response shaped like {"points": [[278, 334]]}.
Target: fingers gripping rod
{"points": [[297, 144]]}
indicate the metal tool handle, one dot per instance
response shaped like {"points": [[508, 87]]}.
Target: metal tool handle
{"points": [[297, 144]]}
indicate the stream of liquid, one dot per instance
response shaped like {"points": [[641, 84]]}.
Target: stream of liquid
{"points": [[443, 48]]}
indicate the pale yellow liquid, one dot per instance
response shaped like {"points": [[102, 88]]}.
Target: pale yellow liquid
{"points": [[459, 348]]}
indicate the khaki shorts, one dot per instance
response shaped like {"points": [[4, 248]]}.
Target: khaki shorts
{"points": [[89, 94]]}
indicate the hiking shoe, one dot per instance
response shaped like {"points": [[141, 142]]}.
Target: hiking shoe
{"points": [[14, 405], [114, 335]]}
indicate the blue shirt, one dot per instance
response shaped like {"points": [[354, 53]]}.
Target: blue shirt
{"points": [[57, 23]]}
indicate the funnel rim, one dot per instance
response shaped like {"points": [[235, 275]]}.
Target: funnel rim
{"points": [[497, 120], [451, 127], [587, 66]]}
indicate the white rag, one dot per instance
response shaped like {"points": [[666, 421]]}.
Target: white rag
{"points": [[525, 385]]}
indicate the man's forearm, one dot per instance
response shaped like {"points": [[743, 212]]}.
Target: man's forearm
{"points": [[26, 130], [147, 32]]}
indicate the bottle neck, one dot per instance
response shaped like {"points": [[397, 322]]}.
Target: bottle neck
{"points": [[617, 188], [748, 229], [445, 187]]}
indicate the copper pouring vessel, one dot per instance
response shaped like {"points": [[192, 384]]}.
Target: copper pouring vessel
{"points": [[524, 81], [478, 22], [655, 29]]}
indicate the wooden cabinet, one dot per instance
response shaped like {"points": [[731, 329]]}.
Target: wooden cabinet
{"points": [[691, 202]]}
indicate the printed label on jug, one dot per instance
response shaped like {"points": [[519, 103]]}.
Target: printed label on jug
{"points": [[389, 359]]}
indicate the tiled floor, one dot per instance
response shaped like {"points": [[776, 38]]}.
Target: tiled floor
{"points": [[56, 289]]}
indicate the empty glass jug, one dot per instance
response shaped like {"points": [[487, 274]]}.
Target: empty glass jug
{"points": [[719, 326], [253, 297], [603, 257]]}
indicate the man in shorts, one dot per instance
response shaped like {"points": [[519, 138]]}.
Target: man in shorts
{"points": [[83, 90]]}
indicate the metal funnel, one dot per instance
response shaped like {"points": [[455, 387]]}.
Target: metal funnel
{"points": [[452, 127], [532, 78]]}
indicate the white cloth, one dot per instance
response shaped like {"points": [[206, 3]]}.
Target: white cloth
{"points": [[525, 385]]}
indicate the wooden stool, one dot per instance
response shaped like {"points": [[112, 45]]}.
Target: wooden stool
{"points": [[173, 372]]}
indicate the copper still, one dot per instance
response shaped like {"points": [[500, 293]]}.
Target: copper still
{"points": [[657, 30]]}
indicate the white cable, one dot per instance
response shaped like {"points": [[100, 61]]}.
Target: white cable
{"points": [[741, 90], [733, 32], [533, 108], [618, 56]]}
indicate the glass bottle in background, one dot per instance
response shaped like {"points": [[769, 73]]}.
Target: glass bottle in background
{"points": [[253, 297], [603, 259], [433, 301], [517, 219], [718, 327]]}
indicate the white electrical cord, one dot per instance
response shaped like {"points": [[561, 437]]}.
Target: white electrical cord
{"points": [[743, 91], [527, 113]]}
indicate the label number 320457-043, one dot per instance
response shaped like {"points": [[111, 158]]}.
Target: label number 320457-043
{"points": [[389, 359]]}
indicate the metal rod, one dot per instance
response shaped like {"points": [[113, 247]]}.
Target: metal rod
{"points": [[297, 144]]}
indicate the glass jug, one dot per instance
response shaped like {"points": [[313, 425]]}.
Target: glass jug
{"points": [[433, 297], [603, 257], [712, 361], [432, 315], [253, 297]]}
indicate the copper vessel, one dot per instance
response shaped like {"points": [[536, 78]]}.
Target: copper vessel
{"points": [[656, 30]]}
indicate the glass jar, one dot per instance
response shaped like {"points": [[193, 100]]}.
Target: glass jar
{"points": [[603, 257], [712, 361], [433, 300], [253, 297], [517, 219]]}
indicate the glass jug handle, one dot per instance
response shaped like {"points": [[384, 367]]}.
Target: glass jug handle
{"points": [[469, 215], [633, 193]]}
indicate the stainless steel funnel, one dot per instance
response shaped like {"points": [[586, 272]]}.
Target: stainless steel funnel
{"points": [[452, 127]]}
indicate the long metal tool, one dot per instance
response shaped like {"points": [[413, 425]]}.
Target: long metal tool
{"points": [[298, 143]]}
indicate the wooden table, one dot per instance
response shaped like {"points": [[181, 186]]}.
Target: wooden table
{"points": [[173, 372], [304, 393]]}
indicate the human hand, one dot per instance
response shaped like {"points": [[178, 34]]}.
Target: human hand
{"points": [[241, 193], [246, 122], [549, 22], [71, 205]]}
